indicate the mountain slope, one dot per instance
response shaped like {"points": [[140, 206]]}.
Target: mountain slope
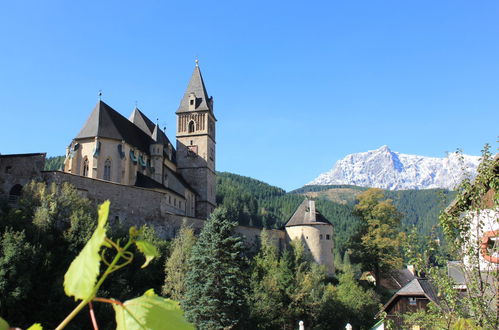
{"points": [[383, 168]]}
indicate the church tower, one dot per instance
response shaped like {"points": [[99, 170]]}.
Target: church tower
{"points": [[196, 143]]}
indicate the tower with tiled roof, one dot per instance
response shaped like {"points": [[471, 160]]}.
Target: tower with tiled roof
{"points": [[196, 143], [309, 226]]}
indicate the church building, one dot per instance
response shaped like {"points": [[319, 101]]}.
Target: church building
{"points": [[137, 152]]}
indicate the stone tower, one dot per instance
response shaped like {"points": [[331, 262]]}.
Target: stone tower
{"points": [[196, 143], [315, 231]]}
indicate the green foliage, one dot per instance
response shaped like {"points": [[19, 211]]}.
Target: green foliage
{"points": [[289, 287], [477, 308], [150, 312], [4, 325], [216, 282], [359, 305], [38, 242], [177, 266], [81, 276], [54, 163], [378, 241]]}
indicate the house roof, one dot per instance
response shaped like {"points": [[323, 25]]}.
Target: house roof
{"points": [[416, 287], [106, 122], [196, 86], [140, 119], [306, 214]]}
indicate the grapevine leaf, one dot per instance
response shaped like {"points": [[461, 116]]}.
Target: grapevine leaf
{"points": [[149, 251], [150, 311], [4, 325], [36, 326], [80, 279]]}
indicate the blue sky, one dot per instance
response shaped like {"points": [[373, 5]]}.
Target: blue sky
{"points": [[297, 85]]}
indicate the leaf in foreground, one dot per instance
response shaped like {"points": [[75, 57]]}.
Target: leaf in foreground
{"points": [[152, 312], [149, 251], [4, 325], [36, 326], [79, 280]]}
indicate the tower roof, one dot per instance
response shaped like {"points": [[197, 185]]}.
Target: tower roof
{"points": [[138, 118], [306, 214], [159, 136], [196, 86], [106, 122]]}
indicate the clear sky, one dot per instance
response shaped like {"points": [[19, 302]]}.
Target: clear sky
{"points": [[297, 85]]}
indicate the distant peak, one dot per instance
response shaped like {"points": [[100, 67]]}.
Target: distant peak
{"points": [[384, 148]]}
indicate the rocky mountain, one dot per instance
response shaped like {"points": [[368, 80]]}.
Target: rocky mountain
{"points": [[386, 169]]}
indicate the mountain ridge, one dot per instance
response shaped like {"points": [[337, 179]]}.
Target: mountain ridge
{"points": [[387, 169]]}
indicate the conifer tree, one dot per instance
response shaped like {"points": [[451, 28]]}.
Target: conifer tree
{"points": [[215, 295], [177, 267]]}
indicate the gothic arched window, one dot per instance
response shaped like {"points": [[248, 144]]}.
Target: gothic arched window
{"points": [[85, 167], [107, 170], [191, 126]]}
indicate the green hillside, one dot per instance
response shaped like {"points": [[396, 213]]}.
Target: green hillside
{"points": [[54, 163], [255, 203], [419, 207]]}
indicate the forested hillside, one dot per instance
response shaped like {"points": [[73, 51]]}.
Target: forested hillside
{"points": [[419, 207], [255, 203], [54, 163]]}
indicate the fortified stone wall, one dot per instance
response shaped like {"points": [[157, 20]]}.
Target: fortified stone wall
{"points": [[138, 206], [130, 205], [19, 170]]}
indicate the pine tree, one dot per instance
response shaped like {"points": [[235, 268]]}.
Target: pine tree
{"points": [[215, 296], [176, 267]]}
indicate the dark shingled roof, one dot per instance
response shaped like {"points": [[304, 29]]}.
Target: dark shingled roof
{"points": [[196, 86], [138, 118], [159, 136], [417, 287], [305, 216], [106, 122]]}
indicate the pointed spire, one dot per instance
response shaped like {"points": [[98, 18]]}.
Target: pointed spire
{"points": [[196, 91], [141, 121]]}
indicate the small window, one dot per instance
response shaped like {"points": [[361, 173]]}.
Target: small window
{"points": [[328, 237], [320, 236], [107, 170], [8, 169], [175, 202], [179, 204], [412, 301], [170, 200], [192, 102], [306, 237], [191, 126], [85, 167]]}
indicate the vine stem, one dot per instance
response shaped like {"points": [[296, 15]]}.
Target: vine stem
{"points": [[92, 316], [84, 302]]}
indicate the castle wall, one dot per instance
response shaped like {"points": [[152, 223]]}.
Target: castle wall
{"points": [[139, 206], [318, 240], [19, 170]]}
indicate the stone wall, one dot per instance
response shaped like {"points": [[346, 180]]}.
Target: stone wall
{"points": [[139, 206], [19, 170]]}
